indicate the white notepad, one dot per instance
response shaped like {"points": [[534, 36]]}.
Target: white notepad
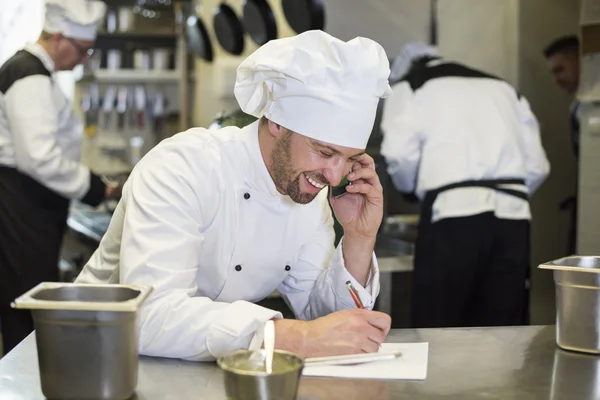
{"points": [[411, 365]]}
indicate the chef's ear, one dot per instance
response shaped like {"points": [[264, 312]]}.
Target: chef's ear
{"points": [[275, 129]]}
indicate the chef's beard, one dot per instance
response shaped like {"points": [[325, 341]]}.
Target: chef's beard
{"points": [[283, 175]]}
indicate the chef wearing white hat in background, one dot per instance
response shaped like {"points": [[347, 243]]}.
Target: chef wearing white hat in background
{"points": [[218, 220], [39, 156], [468, 145]]}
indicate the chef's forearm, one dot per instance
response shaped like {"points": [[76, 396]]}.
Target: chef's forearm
{"points": [[358, 254]]}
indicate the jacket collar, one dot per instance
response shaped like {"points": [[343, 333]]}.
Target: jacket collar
{"points": [[40, 53], [258, 174]]}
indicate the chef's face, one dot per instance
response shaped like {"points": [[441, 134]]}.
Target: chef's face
{"points": [[564, 67], [72, 52], [301, 167]]}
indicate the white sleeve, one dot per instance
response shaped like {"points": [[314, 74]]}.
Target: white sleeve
{"points": [[537, 165], [33, 121], [316, 285], [401, 145], [162, 233]]}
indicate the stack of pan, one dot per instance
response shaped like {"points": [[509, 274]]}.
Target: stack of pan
{"points": [[258, 21]]}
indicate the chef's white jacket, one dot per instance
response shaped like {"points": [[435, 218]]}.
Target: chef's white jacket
{"points": [[202, 222], [456, 128], [39, 133]]}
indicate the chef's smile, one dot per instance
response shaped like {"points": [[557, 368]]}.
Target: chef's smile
{"points": [[313, 185]]}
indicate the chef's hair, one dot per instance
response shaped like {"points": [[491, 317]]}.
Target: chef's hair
{"points": [[564, 44]]}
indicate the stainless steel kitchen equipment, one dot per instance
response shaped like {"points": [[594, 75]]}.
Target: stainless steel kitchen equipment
{"points": [[402, 226], [86, 338], [577, 281], [246, 377]]}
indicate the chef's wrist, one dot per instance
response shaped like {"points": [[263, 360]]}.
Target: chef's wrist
{"points": [[291, 335], [361, 240], [357, 252]]}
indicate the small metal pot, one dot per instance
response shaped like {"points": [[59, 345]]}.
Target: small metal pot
{"points": [[577, 281], [247, 379], [86, 338]]}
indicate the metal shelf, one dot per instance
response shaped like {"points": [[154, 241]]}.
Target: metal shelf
{"points": [[133, 76], [130, 40]]}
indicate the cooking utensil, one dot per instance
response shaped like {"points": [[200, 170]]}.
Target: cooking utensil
{"points": [[141, 60], [121, 108], [140, 106], [161, 59], [86, 338], [136, 145], [259, 21], [198, 39], [108, 104], [304, 15], [350, 359], [228, 29], [158, 112], [114, 59], [269, 341], [577, 281], [247, 379]]}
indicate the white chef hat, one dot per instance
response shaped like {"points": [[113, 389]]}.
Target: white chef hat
{"points": [[316, 85], [408, 54], [77, 19]]}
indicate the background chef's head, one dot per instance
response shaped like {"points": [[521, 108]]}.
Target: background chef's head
{"points": [[70, 28], [317, 98], [411, 53]]}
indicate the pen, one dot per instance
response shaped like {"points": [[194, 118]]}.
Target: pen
{"points": [[354, 295]]}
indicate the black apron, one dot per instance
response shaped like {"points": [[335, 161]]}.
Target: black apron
{"points": [[32, 223], [431, 196], [456, 257]]}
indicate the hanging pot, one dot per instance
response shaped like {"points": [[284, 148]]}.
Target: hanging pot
{"points": [[304, 15], [229, 29], [259, 21], [197, 37]]}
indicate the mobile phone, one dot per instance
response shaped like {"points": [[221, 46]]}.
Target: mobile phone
{"points": [[340, 190]]}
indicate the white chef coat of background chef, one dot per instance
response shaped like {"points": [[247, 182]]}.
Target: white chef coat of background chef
{"points": [[420, 130], [43, 139], [202, 222]]}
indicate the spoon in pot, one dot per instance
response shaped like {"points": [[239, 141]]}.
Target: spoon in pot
{"points": [[269, 341]]}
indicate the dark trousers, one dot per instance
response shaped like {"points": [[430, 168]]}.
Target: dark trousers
{"points": [[32, 224], [471, 271]]}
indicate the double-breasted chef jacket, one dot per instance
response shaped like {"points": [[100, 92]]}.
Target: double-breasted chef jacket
{"points": [[202, 222]]}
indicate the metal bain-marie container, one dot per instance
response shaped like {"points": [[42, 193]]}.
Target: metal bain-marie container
{"points": [[577, 281], [86, 338]]}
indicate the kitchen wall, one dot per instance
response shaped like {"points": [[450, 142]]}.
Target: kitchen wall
{"points": [[540, 21], [484, 38]]}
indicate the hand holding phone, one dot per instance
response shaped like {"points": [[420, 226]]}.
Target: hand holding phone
{"points": [[340, 190]]}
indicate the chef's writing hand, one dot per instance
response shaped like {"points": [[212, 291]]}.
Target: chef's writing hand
{"points": [[360, 213], [343, 332]]}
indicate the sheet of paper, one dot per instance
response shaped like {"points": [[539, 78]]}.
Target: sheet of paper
{"points": [[411, 365]]}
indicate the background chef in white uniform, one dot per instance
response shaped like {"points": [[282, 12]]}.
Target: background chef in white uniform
{"points": [[468, 145], [40, 171], [217, 220]]}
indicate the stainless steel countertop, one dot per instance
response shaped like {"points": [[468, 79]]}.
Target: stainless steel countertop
{"points": [[493, 363]]}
